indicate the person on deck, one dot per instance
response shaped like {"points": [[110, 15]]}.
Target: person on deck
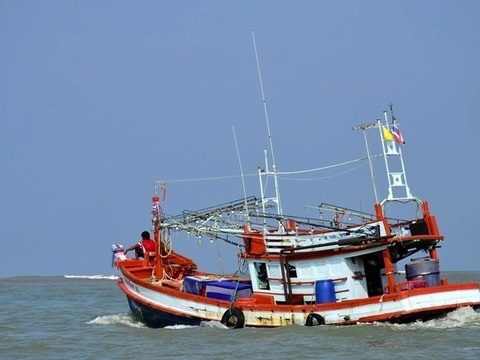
{"points": [[146, 245]]}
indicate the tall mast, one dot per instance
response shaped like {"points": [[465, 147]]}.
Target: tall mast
{"points": [[274, 167]]}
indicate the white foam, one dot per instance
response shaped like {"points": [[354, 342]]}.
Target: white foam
{"points": [[92, 277], [461, 317], [213, 324], [118, 319], [180, 327], [204, 324]]}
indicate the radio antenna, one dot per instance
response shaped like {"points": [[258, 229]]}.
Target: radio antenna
{"points": [[274, 167], [247, 217], [391, 113], [264, 101]]}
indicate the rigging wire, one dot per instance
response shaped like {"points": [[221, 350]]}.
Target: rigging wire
{"points": [[226, 177], [325, 167], [219, 255], [323, 177]]}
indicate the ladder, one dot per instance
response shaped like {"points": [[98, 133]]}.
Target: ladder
{"points": [[398, 189]]}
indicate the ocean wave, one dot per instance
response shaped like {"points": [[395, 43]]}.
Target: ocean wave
{"points": [[203, 324], [180, 327], [213, 324], [459, 318], [117, 319], [92, 277]]}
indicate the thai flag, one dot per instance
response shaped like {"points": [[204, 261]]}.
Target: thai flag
{"points": [[397, 134]]}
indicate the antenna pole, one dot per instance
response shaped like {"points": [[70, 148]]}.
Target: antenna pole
{"points": [[274, 172], [372, 175], [391, 113], [364, 128], [241, 174], [263, 99]]}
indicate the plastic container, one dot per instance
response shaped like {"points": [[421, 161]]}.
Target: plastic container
{"points": [[423, 269], [324, 291]]}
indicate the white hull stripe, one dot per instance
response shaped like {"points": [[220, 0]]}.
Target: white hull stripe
{"points": [[411, 304]]}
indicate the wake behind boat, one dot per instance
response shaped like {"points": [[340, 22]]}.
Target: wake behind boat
{"points": [[298, 270]]}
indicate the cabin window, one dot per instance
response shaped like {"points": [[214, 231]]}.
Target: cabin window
{"points": [[262, 276], [273, 270]]}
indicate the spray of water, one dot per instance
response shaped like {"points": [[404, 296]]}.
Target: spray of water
{"points": [[117, 319], [462, 317]]}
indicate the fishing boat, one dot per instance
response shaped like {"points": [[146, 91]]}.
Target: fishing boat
{"points": [[344, 270]]}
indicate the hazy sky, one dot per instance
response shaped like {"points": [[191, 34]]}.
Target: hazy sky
{"points": [[100, 98]]}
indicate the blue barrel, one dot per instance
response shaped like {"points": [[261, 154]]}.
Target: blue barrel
{"points": [[324, 291], [423, 269]]}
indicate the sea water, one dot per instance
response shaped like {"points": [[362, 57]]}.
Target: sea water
{"points": [[87, 317]]}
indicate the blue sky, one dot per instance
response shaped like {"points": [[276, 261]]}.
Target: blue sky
{"points": [[100, 98]]}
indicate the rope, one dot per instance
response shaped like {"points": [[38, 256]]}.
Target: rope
{"points": [[322, 168], [202, 179], [255, 174], [219, 256], [154, 280], [324, 177], [235, 293], [165, 276], [167, 241], [243, 267]]}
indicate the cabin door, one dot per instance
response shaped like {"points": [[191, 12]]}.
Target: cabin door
{"points": [[373, 274]]}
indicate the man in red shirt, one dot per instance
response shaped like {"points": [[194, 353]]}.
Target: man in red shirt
{"points": [[145, 246]]}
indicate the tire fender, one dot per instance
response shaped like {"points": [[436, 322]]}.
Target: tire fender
{"points": [[314, 319], [233, 319]]}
